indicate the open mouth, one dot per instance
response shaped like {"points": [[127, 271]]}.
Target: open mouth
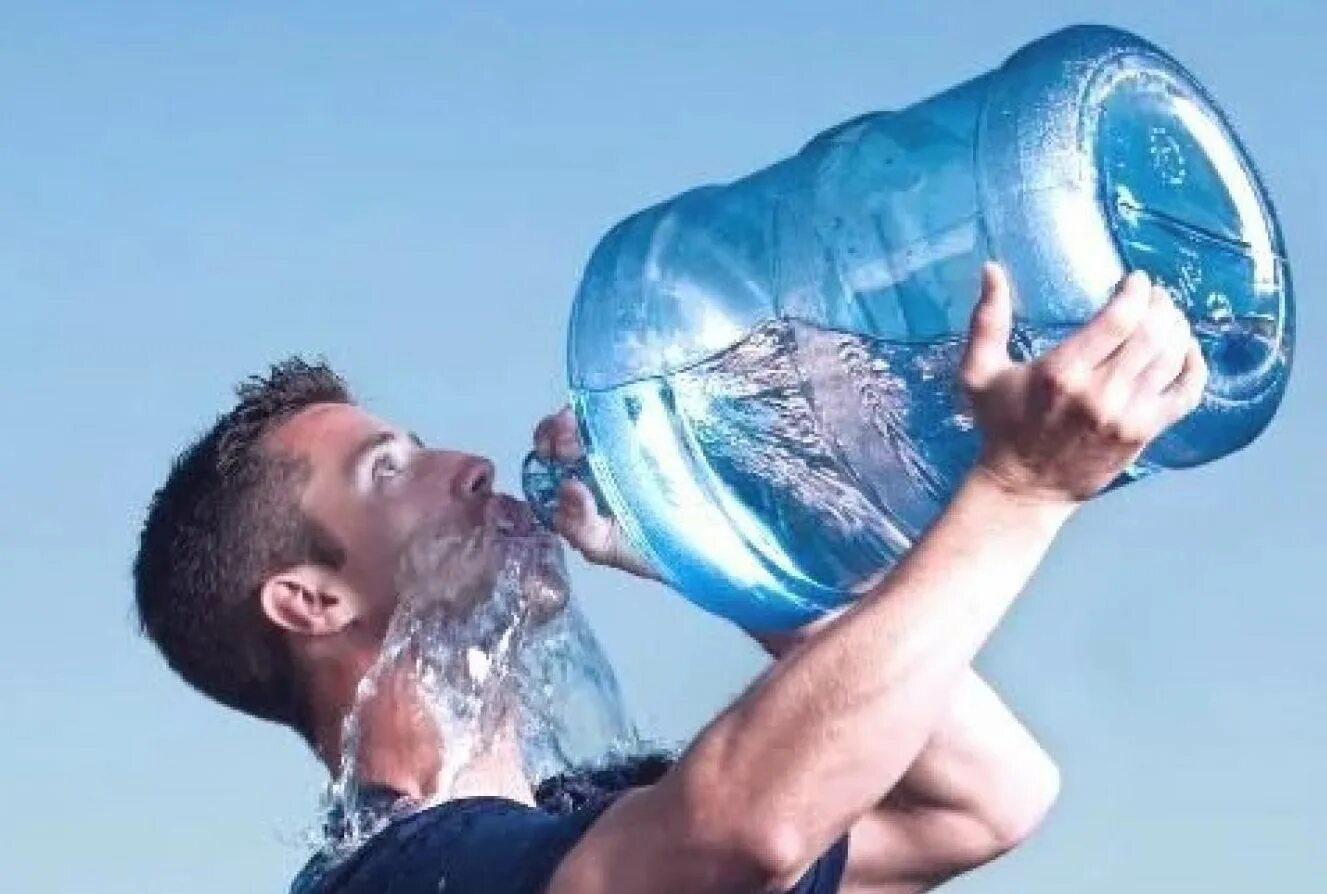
{"points": [[511, 517]]}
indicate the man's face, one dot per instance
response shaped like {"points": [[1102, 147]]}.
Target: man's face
{"points": [[373, 485]]}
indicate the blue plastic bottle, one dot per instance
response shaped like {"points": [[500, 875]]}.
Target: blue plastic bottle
{"points": [[764, 372]]}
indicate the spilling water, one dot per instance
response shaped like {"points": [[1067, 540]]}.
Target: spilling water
{"points": [[487, 657]]}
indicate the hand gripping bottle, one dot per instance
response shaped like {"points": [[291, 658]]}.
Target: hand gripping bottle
{"points": [[764, 372]]}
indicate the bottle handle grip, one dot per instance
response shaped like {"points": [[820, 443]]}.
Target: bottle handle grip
{"points": [[541, 477]]}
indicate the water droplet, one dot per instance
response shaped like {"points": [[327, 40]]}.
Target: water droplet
{"points": [[1167, 157]]}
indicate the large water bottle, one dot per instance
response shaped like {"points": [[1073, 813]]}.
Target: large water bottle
{"points": [[764, 372]]}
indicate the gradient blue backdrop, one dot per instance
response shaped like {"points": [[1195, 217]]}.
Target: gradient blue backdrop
{"points": [[191, 190]]}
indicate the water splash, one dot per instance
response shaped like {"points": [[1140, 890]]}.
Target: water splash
{"points": [[486, 654]]}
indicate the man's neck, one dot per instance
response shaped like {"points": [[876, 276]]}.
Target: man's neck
{"points": [[498, 772], [495, 772], [399, 749]]}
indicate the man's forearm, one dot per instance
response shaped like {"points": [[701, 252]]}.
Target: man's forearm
{"points": [[980, 761], [834, 725]]}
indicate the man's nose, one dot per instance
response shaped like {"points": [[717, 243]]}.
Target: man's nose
{"points": [[474, 477]]}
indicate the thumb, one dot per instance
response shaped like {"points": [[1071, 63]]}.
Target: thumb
{"points": [[596, 537], [577, 518], [987, 353]]}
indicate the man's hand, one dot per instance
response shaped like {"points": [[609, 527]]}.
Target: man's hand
{"points": [[1062, 427], [598, 538]]}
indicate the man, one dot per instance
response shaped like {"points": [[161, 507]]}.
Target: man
{"points": [[867, 758]]}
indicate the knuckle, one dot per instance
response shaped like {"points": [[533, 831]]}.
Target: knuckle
{"points": [[1103, 406], [1128, 307], [1119, 321], [1135, 433], [1097, 415], [1063, 375], [1110, 428], [1158, 324], [1124, 426]]}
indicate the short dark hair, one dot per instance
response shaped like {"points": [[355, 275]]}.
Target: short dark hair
{"points": [[227, 518]]}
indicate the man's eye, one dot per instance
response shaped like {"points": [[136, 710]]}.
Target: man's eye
{"points": [[386, 466]]}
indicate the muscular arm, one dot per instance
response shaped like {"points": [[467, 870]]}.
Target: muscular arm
{"points": [[979, 787], [829, 730]]}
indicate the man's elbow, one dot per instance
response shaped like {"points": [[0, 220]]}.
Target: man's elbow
{"points": [[1014, 818], [730, 840]]}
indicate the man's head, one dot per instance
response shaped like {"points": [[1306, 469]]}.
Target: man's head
{"points": [[270, 553]]}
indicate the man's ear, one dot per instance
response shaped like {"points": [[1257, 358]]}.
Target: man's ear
{"points": [[307, 600]]}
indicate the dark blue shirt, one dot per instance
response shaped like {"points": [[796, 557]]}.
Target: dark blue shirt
{"points": [[492, 845]]}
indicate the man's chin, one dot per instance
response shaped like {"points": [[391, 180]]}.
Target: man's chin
{"points": [[457, 575], [542, 575]]}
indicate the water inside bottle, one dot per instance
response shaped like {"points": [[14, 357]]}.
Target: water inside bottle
{"points": [[801, 460]]}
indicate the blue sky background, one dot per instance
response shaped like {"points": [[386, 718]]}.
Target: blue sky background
{"points": [[191, 190]]}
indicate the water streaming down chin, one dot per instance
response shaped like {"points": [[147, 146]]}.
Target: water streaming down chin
{"points": [[486, 646]]}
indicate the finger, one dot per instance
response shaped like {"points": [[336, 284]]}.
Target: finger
{"points": [[550, 428], [1165, 367], [578, 500], [987, 352], [1186, 392], [1147, 342], [564, 436], [567, 443], [1115, 322], [577, 519], [543, 437]]}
